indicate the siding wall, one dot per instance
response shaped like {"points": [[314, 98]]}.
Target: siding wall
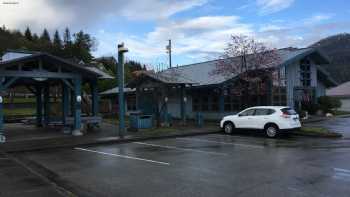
{"points": [[321, 89], [293, 80], [345, 104]]}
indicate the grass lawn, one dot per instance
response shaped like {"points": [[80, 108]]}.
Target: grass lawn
{"points": [[19, 112], [20, 100], [337, 113]]}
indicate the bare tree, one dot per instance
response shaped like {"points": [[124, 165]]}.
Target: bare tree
{"points": [[251, 63]]}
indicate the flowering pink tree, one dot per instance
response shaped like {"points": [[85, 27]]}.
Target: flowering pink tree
{"points": [[252, 64]]}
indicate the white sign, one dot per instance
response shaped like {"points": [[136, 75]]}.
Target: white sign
{"points": [[78, 99], [1, 100], [2, 138]]}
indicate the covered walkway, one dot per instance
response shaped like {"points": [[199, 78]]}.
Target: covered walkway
{"points": [[39, 72]]}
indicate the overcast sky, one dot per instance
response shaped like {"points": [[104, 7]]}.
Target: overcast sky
{"points": [[199, 28]]}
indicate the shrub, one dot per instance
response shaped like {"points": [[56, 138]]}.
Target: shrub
{"points": [[328, 104]]}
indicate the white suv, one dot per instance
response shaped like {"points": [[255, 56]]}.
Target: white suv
{"points": [[271, 119]]}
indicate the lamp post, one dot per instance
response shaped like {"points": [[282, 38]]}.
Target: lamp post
{"points": [[121, 51]]}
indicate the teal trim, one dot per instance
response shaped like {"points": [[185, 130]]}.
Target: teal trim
{"points": [[46, 104], [10, 82], [121, 100], [222, 100], [95, 97], [183, 104], [65, 103], [77, 105], [39, 106], [2, 137]]}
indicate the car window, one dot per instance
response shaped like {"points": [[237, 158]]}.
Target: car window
{"points": [[289, 111], [264, 112], [249, 112]]}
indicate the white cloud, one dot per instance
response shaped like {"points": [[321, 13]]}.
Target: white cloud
{"points": [[81, 14], [158, 9], [272, 6], [34, 13], [270, 27], [316, 18], [197, 37]]}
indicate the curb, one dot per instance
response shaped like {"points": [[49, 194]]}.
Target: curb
{"points": [[332, 136], [325, 118], [105, 140]]}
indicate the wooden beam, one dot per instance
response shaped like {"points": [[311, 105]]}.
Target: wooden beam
{"points": [[9, 83], [67, 83], [37, 74]]}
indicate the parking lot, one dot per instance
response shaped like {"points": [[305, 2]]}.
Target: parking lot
{"points": [[208, 165]]}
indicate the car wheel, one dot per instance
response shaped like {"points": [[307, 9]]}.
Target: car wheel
{"points": [[271, 131], [228, 128]]}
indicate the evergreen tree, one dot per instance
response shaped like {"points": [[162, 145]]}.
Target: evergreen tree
{"points": [[66, 37], [45, 36], [57, 44], [28, 34], [82, 46]]}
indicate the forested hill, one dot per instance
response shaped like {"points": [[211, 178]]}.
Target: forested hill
{"points": [[78, 45], [337, 48]]}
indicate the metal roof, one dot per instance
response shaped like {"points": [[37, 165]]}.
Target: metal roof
{"points": [[87, 69], [343, 90], [201, 73], [116, 91]]}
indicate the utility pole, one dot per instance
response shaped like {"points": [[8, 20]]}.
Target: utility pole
{"points": [[168, 48], [121, 51]]}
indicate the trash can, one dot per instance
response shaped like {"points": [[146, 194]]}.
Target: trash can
{"points": [[199, 119], [138, 121]]}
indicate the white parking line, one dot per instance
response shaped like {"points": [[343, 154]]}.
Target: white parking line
{"points": [[224, 143], [182, 149], [342, 170], [123, 156]]}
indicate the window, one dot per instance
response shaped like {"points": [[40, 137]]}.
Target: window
{"points": [[248, 112], [205, 103], [305, 73], [215, 103], [264, 112], [195, 103], [131, 103]]}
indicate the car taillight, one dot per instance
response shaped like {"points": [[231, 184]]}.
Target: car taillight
{"points": [[285, 115]]}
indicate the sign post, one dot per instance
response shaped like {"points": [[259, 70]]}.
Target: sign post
{"points": [[121, 51]]}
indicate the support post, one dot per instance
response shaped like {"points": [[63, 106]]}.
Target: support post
{"points": [[121, 51], [39, 106], [77, 107], [137, 98], [2, 135], [47, 104], [65, 103], [95, 97], [183, 104], [222, 100]]}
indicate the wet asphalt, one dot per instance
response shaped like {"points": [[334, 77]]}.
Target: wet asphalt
{"points": [[209, 165], [15, 180]]}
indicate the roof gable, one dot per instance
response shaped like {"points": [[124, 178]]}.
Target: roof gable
{"points": [[201, 73]]}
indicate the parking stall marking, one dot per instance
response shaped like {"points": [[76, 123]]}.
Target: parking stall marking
{"points": [[342, 174], [123, 156], [182, 149], [224, 143]]}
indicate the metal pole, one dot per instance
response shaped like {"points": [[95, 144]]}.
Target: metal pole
{"points": [[170, 63], [121, 51]]}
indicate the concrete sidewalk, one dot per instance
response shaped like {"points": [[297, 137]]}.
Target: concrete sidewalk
{"points": [[16, 180], [108, 133]]}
